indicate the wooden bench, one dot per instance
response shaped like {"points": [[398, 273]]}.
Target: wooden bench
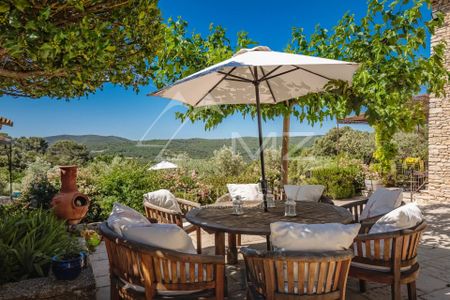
{"points": [[139, 271]]}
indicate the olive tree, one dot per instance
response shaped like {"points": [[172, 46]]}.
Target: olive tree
{"points": [[66, 49]]}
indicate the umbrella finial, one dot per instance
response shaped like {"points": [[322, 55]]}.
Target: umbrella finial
{"points": [[257, 48]]}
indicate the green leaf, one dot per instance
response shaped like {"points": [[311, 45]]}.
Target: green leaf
{"points": [[21, 5], [111, 48], [4, 7]]}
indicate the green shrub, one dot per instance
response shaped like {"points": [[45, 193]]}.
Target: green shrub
{"points": [[37, 189], [299, 166], [4, 182], [28, 240], [126, 181], [225, 161], [339, 182]]}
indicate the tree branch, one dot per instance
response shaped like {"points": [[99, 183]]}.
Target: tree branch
{"points": [[94, 9], [17, 75]]}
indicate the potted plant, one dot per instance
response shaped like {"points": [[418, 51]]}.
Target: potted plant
{"points": [[68, 266], [92, 239]]}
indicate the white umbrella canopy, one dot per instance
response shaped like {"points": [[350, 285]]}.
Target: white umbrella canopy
{"points": [[281, 77], [163, 166], [255, 76]]}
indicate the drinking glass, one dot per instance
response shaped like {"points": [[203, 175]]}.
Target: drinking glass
{"points": [[270, 201], [237, 205], [289, 208]]}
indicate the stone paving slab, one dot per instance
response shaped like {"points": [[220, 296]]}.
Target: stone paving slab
{"points": [[434, 257]]}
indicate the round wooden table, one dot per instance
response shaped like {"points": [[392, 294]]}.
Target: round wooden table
{"points": [[219, 219]]}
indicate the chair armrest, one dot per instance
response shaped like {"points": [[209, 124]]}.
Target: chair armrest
{"points": [[355, 208], [224, 198], [377, 236], [326, 199], [186, 205], [355, 203], [161, 209]]}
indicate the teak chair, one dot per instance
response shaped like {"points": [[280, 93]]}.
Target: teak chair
{"points": [[389, 258], [159, 214], [356, 208], [139, 271], [296, 275]]}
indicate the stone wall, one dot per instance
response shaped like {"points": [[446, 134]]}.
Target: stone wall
{"points": [[439, 122], [48, 288]]}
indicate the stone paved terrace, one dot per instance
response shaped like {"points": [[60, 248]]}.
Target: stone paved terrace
{"points": [[434, 257]]}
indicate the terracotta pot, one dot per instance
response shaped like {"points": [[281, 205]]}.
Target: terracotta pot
{"points": [[69, 204]]}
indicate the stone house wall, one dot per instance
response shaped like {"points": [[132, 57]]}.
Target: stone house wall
{"points": [[439, 121]]}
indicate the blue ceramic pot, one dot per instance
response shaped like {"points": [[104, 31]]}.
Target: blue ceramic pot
{"points": [[68, 269]]}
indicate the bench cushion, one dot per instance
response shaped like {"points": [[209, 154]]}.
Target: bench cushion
{"points": [[382, 201], [376, 268], [246, 191], [404, 217], [304, 192], [312, 237], [123, 217], [163, 198], [166, 236]]}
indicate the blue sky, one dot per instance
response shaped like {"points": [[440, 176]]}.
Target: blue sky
{"points": [[120, 112]]}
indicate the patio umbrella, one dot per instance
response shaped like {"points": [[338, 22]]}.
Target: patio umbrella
{"points": [[258, 76], [164, 165]]}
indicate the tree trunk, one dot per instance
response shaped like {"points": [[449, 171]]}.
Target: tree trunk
{"points": [[285, 149]]}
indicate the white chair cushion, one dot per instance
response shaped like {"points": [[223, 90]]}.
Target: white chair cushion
{"points": [[382, 201], [166, 236], [288, 236], [123, 217], [141, 289], [304, 192], [376, 268], [246, 191], [404, 217], [163, 198]]}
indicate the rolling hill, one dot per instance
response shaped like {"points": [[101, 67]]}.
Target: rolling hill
{"points": [[195, 147]]}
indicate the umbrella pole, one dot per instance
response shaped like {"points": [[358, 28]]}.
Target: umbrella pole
{"points": [[261, 150], [10, 171]]}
